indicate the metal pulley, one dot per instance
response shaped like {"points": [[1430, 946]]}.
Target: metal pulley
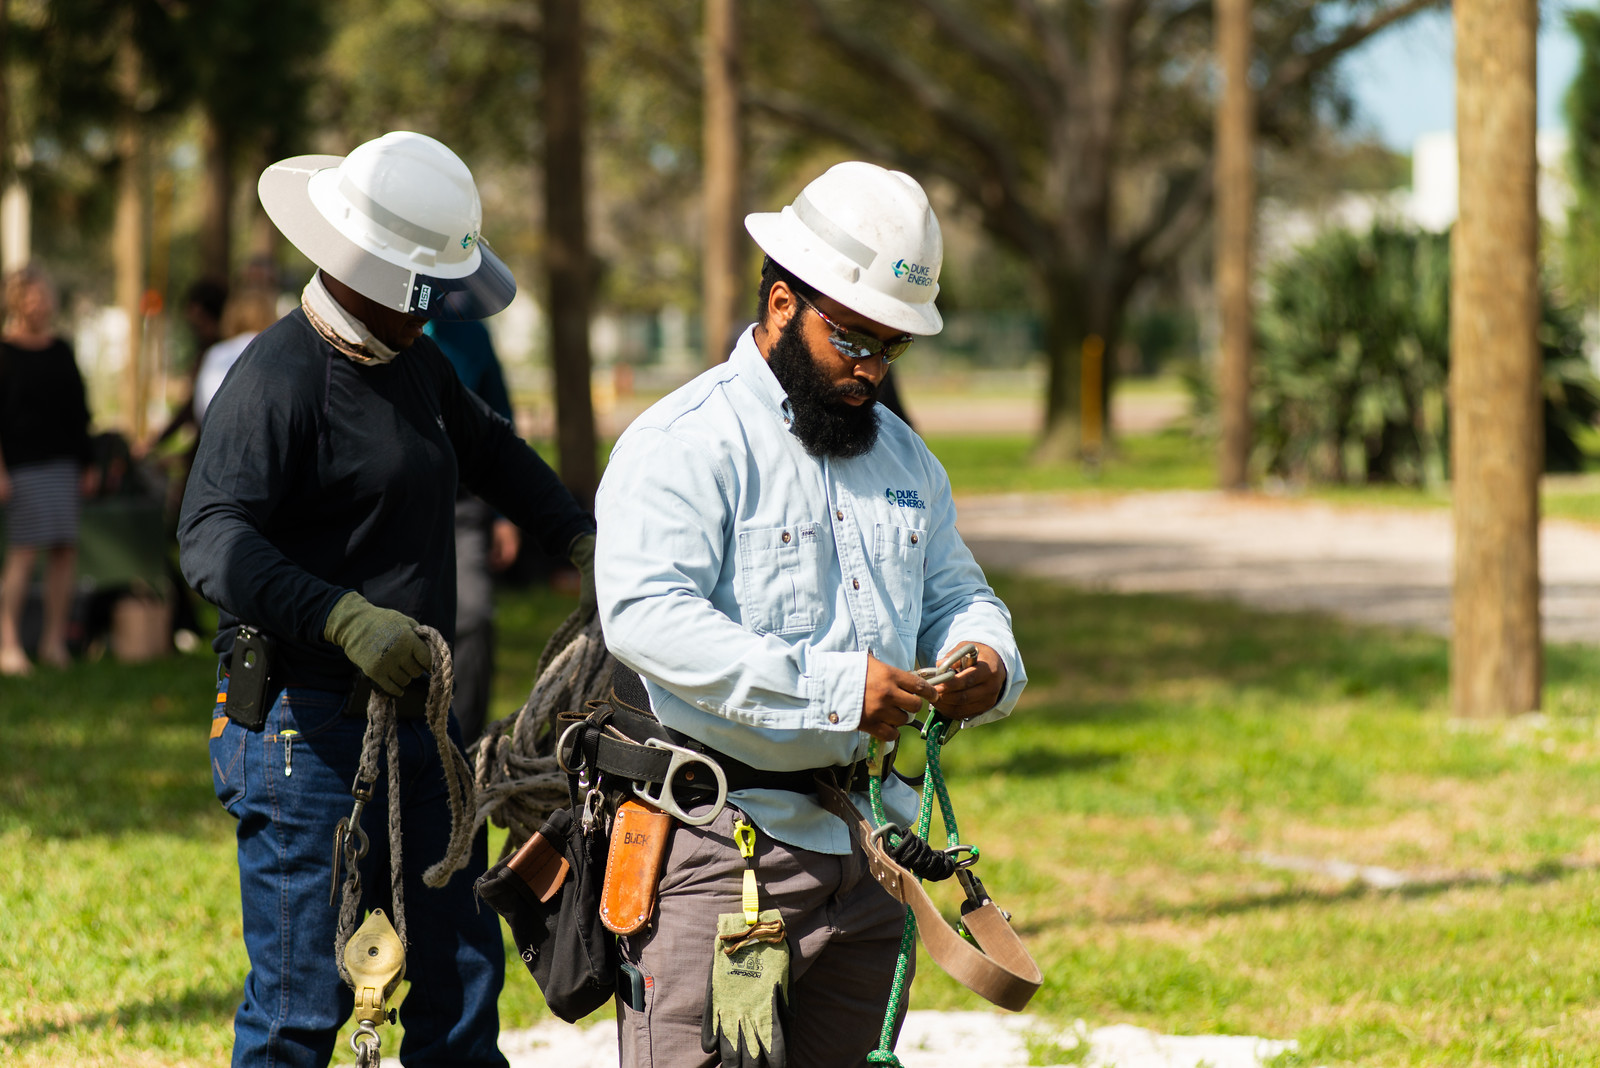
{"points": [[376, 960]]}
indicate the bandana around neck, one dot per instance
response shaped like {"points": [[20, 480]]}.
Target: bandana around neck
{"points": [[339, 328]]}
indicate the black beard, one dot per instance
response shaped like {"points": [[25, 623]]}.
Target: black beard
{"points": [[823, 422]]}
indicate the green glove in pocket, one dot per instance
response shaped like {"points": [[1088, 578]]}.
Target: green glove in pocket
{"points": [[748, 993]]}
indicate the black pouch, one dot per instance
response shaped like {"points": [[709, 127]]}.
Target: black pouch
{"points": [[549, 893], [249, 689]]}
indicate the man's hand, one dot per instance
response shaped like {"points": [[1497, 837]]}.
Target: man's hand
{"points": [[581, 553], [505, 541], [383, 643], [974, 690], [892, 699]]}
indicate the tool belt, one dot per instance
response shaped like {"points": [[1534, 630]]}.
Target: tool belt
{"points": [[672, 771]]}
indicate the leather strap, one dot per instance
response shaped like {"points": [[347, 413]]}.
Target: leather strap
{"points": [[999, 969], [611, 740]]}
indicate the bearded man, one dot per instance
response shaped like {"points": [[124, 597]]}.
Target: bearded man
{"points": [[777, 554]]}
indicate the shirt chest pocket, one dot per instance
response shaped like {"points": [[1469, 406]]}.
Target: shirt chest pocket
{"points": [[780, 579], [899, 555]]}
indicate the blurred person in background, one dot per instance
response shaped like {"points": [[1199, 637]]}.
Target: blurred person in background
{"points": [[486, 543], [247, 312], [44, 457]]}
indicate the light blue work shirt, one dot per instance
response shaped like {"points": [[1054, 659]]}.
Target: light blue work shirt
{"points": [[746, 580]]}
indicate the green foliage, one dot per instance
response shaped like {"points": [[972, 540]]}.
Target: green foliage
{"points": [[1352, 374], [1580, 245]]}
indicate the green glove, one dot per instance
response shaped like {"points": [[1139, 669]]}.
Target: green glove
{"points": [[748, 993], [383, 643], [581, 554]]}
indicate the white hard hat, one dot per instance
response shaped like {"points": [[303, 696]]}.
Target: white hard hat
{"points": [[866, 237], [397, 220]]}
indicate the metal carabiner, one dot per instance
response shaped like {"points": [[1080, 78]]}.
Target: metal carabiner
{"points": [[954, 852], [561, 747], [881, 834], [666, 800]]}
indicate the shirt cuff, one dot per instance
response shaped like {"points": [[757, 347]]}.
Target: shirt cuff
{"points": [[836, 688]]}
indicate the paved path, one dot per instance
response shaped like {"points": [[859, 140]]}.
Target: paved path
{"points": [[1387, 566]]}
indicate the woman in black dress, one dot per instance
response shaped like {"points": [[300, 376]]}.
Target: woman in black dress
{"points": [[44, 453]]}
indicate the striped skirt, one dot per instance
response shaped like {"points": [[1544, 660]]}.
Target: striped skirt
{"points": [[43, 510]]}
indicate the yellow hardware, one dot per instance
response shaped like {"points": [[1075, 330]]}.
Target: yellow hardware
{"points": [[376, 960], [744, 836]]}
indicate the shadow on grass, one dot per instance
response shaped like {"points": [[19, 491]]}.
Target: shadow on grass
{"points": [[193, 1006], [1540, 873], [109, 748]]}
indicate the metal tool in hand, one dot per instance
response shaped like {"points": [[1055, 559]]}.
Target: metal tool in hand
{"points": [[962, 658]]}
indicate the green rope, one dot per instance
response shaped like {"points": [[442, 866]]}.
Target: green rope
{"points": [[933, 787]]}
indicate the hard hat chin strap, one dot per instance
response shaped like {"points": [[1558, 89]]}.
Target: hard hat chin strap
{"points": [[339, 328]]}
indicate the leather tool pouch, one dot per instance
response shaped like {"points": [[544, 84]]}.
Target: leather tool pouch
{"points": [[633, 866]]}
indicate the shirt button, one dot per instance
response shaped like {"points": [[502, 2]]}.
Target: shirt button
{"points": [[855, 584], [786, 537], [913, 539], [833, 717], [838, 515]]}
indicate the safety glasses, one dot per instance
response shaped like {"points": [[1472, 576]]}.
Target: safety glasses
{"points": [[856, 345]]}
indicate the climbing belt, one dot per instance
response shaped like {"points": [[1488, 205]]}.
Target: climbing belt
{"points": [[933, 786], [519, 783], [376, 938]]}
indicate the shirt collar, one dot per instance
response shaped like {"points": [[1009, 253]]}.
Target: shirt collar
{"points": [[753, 371]]}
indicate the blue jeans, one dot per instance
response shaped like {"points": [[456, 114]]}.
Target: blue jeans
{"points": [[287, 790]]}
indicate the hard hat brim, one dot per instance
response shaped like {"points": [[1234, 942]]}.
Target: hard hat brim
{"points": [[285, 194], [819, 266]]}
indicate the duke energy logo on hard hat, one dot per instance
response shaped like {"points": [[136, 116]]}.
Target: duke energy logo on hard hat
{"points": [[466, 242], [915, 273]]}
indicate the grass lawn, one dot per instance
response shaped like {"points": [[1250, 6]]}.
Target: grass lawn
{"points": [[1164, 751]]}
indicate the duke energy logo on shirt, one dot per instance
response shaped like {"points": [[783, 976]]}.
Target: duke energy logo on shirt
{"points": [[903, 498]]}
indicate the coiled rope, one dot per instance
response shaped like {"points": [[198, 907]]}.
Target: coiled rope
{"points": [[383, 734], [518, 781]]}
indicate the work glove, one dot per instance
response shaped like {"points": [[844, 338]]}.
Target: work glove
{"points": [[748, 993], [383, 643], [582, 556]]}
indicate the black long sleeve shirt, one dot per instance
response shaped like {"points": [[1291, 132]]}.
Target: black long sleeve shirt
{"points": [[316, 476], [44, 413]]}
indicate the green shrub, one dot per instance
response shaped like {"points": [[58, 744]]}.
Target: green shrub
{"points": [[1352, 371]]}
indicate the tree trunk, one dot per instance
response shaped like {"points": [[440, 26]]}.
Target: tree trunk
{"points": [[127, 242], [1235, 183], [1496, 657], [567, 244], [723, 203], [1064, 333], [216, 203]]}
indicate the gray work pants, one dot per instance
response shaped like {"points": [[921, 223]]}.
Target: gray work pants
{"points": [[844, 939]]}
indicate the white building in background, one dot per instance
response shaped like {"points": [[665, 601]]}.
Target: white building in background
{"points": [[1436, 180], [1432, 203]]}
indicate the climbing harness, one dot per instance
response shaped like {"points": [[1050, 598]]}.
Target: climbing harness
{"points": [[371, 959]]}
